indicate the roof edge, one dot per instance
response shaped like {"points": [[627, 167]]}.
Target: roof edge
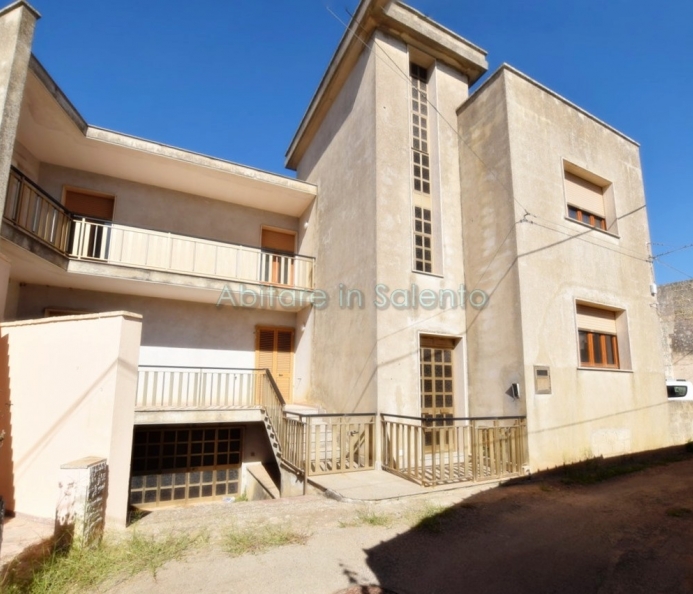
{"points": [[153, 147], [505, 67], [22, 4], [369, 16]]}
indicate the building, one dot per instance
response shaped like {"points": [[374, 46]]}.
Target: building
{"points": [[462, 280]]}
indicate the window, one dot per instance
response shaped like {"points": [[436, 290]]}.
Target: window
{"points": [[677, 391], [91, 237], [423, 254], [91, 205], [598, 337], [585, 201], [421, 170], [277, 259]]}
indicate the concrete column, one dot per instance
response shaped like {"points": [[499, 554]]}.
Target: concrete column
{"points": [[81, 511], [17, 22], [5, 267]]}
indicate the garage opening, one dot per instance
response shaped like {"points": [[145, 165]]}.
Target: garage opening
{"points": [[175, 465]]}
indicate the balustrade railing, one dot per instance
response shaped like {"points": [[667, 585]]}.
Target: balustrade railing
{"points": [[434, 452], [28, 207], [33, 210]]}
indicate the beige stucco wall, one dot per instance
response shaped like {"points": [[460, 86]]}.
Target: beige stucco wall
{"points": [[680, 422], [366, 358], [173, 332], [68, 389], [494, 333], [160, 209], [340, 162], [590, 412], [398, 330]]}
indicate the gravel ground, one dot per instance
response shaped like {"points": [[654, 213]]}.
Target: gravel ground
{"points": [[629, 534]]}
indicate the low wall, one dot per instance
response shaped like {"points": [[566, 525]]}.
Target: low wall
{"points": [[681, 422], [67, 391]]}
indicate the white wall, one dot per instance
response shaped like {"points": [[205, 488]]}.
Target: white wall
{"points": [[67, 391]]}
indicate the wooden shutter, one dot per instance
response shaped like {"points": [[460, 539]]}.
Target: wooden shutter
{"points": [[584, 195], [596, 320], [97, 206], [279, 240], [275, 348], [285, 348]]}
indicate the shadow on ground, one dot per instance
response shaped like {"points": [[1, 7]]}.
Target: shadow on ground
{"points": [[623, 527]]}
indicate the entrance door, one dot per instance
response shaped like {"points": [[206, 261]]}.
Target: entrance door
{"points": [[437, 400], [279, 265], [274, 351]]}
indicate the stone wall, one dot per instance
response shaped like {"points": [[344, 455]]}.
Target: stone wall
{"points": [[81, 510], [676, 314]]}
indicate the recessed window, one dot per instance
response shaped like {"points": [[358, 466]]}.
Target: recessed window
{"points": [[423, 253], [585, 201], [598, 337]]}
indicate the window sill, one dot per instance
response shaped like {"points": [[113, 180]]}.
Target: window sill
{"points": [[612, 369], [586, 226], [433, 274]]}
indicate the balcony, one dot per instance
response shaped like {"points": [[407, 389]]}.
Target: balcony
{"points": [[180, 258]]}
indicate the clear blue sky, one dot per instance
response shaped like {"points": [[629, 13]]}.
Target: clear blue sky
{"points": [[233, 78]]}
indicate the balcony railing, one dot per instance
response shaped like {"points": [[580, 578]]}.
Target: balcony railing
{"points": [[453, 449], [198, 388], [155, 250], [33, 210]]}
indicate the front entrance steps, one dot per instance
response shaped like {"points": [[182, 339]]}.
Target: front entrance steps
{"points": [[378, 485]]}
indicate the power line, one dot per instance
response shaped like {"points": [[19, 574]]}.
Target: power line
{"points": [[678, 249]]}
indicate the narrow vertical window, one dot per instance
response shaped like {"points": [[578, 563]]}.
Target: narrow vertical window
{"points": [[421, 169]]}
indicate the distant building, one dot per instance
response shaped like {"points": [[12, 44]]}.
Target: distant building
{"points": [[676, 312], [461, 281]]}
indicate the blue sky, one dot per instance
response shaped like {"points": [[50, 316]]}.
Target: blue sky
{"points": [[233, 78]]}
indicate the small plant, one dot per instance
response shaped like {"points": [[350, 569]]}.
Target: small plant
{"points": [[430, 517], [77, 570], [257, 540], [679, 512], [546, 488], [373, 518]]}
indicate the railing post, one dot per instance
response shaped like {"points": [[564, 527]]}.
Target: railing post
{"points": [[475, 452], [306, 471]]}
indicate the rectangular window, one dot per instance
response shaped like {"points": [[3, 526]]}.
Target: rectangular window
{"points": [[585, 201], [421, 170], [423, 254], [598, 337]]}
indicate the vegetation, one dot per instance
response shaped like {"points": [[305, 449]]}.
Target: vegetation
{"points": [[256, 540], [79, 570], [431, 517]]}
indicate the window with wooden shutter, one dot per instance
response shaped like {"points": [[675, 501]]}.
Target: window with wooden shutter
{"points": [[585, 201], [278, 264], [598, 337], [91, 205]]}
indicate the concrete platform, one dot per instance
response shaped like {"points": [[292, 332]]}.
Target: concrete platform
{"points": [[379, 485], [21, 533]]}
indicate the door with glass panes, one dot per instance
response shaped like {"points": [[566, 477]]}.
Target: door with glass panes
{"points": [[437, 384]]}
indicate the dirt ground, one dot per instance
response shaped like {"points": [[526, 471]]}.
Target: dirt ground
{"points": [[631, 533]]}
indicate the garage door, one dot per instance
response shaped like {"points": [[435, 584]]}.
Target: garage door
{"points": [[181, 464]]}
